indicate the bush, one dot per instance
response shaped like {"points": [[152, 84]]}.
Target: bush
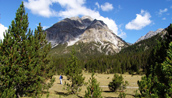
{"points": [[117, 82]]}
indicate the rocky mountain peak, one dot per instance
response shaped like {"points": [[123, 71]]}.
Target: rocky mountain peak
{"points": [[74, 18], [87, 18], [149, 34], [97, 24], [86, 30]]}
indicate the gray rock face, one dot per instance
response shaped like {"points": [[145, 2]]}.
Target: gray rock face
{"points": [[74, 30], [149, 34], [66, 30], [98, 32]]}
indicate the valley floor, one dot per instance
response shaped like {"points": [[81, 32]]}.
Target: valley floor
{"points": [[57, 91]]}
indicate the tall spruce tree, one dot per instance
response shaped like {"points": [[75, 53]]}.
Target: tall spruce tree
{"points": [[24, 66], [74, 75]]}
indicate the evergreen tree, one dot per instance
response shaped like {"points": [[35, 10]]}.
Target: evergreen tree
{"points": [[147, 87], [24, 66], [167, 70], [93, 90], [117, 82], [74, 74], [156, 83]]}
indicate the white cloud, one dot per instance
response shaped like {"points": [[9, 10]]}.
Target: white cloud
{"points": [[72, 4], [110, 23], [141, 20], [69, 9], [162, 11], [107, 7], [77, 10], [2, 31], [41, 7], [83, 10]]}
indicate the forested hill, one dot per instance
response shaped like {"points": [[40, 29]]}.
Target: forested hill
{"points": [[144, 45], [132, 59]]}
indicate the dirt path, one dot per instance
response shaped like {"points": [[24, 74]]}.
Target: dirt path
{"points": [[126, 87]]}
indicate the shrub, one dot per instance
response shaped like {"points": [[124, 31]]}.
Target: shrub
{"points": [[117, 82]]}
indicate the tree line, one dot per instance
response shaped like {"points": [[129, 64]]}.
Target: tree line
{"points": [[132, 59]]}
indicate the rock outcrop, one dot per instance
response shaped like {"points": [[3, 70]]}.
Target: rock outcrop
{"points": [[149, 34]]}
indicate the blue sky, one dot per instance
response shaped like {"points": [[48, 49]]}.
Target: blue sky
{"points": [[129, 19]]}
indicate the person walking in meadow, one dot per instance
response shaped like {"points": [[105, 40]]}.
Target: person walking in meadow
{"points": [[61, 77]]}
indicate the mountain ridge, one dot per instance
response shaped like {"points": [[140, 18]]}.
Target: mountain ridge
{"points": [[150, 34], [76, 30]]}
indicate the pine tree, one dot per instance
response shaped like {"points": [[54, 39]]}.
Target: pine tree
{"points": [[93, 90], [117, 83], [167, 70], [24, 66], [156, 83], [74, 74]]}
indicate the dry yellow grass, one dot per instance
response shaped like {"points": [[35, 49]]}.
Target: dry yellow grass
{"points": [[57, 91]]}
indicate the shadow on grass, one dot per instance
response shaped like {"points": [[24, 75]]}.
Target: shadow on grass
{"points": [[61, 93], [118, 92], [45, 92], [80, 96], [66, 94], [108, 91]]}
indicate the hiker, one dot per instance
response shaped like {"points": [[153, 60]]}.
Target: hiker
{"points": [[61, 77]]}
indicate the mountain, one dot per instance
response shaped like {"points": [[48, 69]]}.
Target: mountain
{"points": [[67, 30], [149, 34], [133, 59], [146, 43], [91, 33]]}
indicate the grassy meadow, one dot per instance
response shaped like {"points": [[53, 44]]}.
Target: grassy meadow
{"points": [[57, 91]]}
